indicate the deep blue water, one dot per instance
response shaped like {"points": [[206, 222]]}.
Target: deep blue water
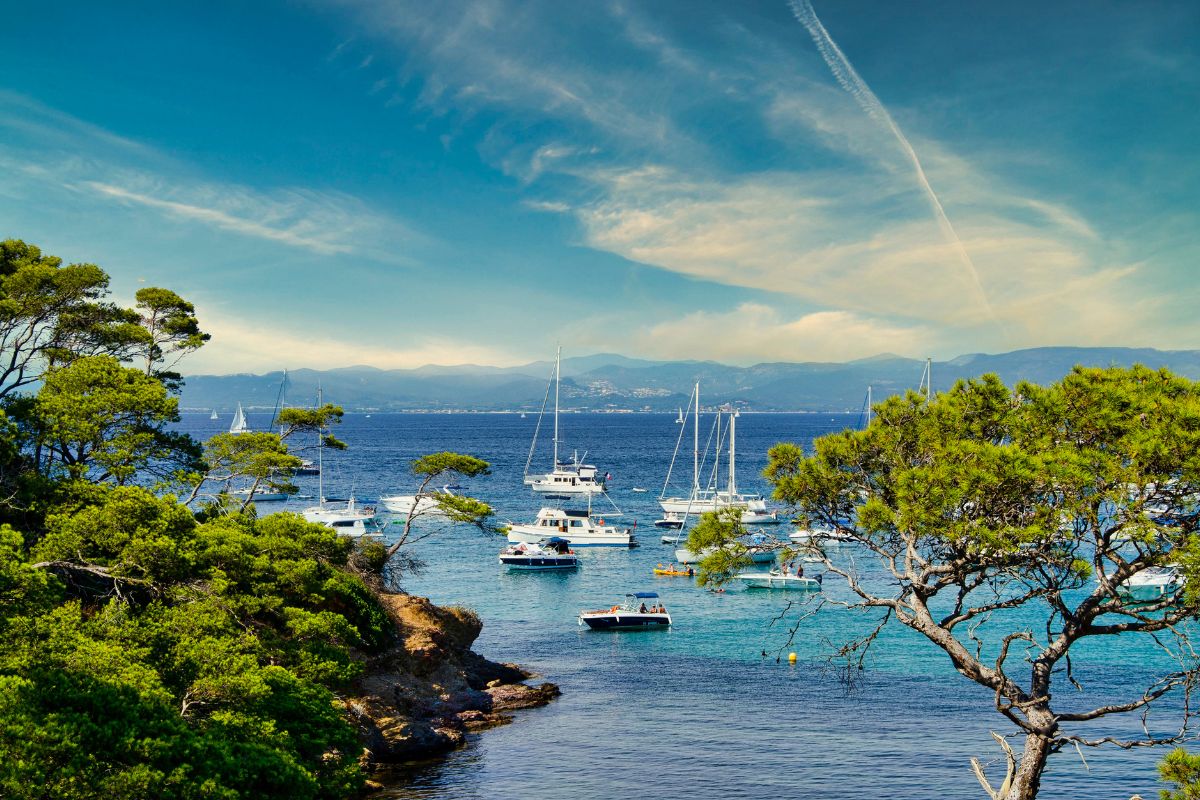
{"points": [[698, 709]]}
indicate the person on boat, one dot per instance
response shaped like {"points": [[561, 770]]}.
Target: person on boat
{"points": [[642, 610], [799, 570]]}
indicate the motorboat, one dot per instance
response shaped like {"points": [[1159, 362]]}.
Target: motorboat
{"points": [[1151, 584], [632, 615], [566, 479], [779, 579], [638, 490], [811, 535], [260, 496], [580, 528], [756, 553], [552, 553], [416, 504], [676, 509], [307, 467]]}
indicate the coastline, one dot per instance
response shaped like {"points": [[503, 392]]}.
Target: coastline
{"points": [[420, 698]]}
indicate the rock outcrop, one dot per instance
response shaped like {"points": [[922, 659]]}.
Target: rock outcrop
{"points": [[421, 697]]}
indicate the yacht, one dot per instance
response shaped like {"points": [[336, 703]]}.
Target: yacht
{"points": [[778, 579], [677, 509], [1151, 584], [348, 517], [260, 496], [571, 478], [552, 553], [580, 528], [421, 504], [818, 535]]}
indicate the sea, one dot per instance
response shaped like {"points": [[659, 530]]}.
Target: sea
{"points": [[712, 707]]}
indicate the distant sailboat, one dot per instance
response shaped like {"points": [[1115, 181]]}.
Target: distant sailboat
{"points": [[213, 415], [680, 420], [239, 421]]}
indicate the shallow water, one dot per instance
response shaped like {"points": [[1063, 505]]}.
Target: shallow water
{"points": [[707, 708]]}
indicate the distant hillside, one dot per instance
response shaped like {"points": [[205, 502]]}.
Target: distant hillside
{"points": [[614, 382]]}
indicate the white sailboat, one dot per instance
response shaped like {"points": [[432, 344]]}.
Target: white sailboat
{"points": [[239, 421], [349, 518], [213, 415], [566, 479], [677, 509]]}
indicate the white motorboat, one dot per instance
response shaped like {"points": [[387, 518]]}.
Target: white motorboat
{"points": [[632, 615], [810, 535], [757, 553], [552, 553], [423, 504], [238, 425], [261, 496], [778, 579], [580, 528], [567, 478], [1151, 584], [698, 501], [347, 527]]}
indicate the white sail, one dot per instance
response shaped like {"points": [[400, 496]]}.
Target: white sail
{"points": [[239, 421]]}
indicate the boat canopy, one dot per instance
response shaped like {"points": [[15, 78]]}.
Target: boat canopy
{"points": [[643, 595], [557, 540]]}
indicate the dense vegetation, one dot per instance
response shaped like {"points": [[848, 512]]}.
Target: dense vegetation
{"points": [[146, 649]]}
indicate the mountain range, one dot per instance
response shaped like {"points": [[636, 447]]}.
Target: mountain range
{"points": [[608, 382]]}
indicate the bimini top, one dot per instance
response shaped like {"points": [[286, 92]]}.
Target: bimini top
{"points": [[642, 595], [557, 540]]}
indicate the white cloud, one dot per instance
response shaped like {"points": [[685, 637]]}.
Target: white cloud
{"points": [[754, 332], [258, 346]]}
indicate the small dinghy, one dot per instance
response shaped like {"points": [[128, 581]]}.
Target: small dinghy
{"points": [[632, 615], [552, 553], [778, 579]]}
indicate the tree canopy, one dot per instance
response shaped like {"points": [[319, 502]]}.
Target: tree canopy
{"points": [[984, 499]]}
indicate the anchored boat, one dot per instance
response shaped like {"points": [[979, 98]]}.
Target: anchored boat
{"points": [[580, 528], [552, 553], [635, 614], [778, 579]]}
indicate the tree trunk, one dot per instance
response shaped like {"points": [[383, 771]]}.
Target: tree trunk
{"points": [[1028, 776]]}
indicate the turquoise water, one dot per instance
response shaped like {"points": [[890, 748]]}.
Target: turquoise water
{"points": [[709, 708]]}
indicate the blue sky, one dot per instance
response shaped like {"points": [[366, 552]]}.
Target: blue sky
{"points": [[394, 184]]}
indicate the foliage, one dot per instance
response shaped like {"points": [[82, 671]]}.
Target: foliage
{"points": [[172, 331], [984, 500], [213, 678], [717, 538], [101, 421], [432, 468], [1182, 769]]}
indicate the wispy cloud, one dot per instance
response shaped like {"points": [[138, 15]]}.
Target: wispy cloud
{"points": [[850, 80]]}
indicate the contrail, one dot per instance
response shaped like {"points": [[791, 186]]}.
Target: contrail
{"points": [[850, 80]]}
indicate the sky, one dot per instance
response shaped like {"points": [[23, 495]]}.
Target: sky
{"points": [[357, 182]]}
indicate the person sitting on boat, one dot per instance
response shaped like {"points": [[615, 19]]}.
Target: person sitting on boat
{"points": [[642, 610], [799, 570]]}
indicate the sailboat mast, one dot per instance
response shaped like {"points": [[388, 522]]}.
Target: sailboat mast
{"points": [[869, 405], [320, 456], [732, 454], [557, 376], [696, 446]]}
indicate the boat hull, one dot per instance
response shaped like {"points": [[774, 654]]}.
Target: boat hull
{"points": [[787, 583], [540, 562], [532, 535], [626, 621]]}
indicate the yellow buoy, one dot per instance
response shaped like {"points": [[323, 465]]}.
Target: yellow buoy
{"points": [[791, 658]]}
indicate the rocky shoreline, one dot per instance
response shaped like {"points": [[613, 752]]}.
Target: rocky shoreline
{"points": [[420, 698]]}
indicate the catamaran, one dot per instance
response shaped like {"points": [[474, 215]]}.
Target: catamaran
{"points": [[677, 509], [568, 478]]}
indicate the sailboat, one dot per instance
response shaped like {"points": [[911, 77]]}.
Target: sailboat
{"points": [[213, 415], [566, 479], [677, 509], [239, 421], [349, 518], [679, 420]]}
